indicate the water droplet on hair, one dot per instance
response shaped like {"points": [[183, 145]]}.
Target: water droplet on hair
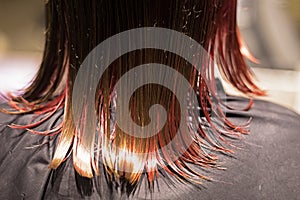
{"points": [[184, 9], [196, 11]]}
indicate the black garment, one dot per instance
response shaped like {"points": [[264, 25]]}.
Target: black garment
{"points": [[266, 167]]}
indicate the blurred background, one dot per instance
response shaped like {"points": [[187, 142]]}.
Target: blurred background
{"points": [[271, 29]]}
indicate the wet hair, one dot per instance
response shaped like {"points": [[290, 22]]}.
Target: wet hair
{"points": [[75, 27]]}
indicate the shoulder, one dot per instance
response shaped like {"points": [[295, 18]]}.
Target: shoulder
{"points": [[24, 157], [267, 166]]}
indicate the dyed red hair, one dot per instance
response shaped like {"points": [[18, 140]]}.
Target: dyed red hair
{"points": [[75, 27]]}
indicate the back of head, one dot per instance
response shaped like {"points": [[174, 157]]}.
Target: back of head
{"points": [[75, 27]]}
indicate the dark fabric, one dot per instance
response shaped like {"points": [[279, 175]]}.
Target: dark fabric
{"points": [[267, 166]]}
